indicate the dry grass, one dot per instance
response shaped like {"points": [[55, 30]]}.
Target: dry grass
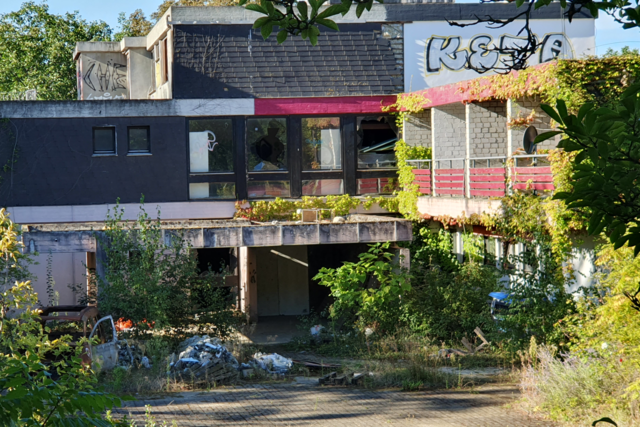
{"points": [[579, 390]]}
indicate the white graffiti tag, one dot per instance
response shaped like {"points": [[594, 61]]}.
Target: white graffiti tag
{"points": [[482, 55]]}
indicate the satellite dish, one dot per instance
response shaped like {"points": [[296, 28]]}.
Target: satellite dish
{"points": [[528, 140]]}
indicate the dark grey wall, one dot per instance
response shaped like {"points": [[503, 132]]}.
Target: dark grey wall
{"points": [[54, 163], [234, 61]]}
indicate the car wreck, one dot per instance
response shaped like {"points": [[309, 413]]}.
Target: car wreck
{"points": [[82, 321]]}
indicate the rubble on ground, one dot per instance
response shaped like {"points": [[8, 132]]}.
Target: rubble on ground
{"points": [[131, 355], [270, 363], [203, 358]]}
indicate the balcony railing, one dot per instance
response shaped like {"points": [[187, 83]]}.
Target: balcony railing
{"points": [[482, 176]]}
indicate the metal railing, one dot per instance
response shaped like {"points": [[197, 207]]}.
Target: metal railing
{"points": [[483, 176]]}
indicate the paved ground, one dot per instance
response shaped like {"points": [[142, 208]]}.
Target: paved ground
{"points": [[304, 405]]}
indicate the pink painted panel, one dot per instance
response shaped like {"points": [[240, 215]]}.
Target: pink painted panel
{"points": [[487, 171], [447, 178], [449, 171], [487, 178], [487, 193], [451, 192], [423, 178], [421, 172], [335, 105], [425, 190], [487, 185], [535, 178], [449, 184], [534, 187], [533, 170]]}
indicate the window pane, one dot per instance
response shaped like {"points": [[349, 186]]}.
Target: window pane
{"points": [[377, 185], [321, 144], [268, 189], [321, 187], [104, 140], [139, 139], [211, 145], [267, 144], [212, 190], [377, 136]]}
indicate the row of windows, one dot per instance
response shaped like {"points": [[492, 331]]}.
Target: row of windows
{"points": [[211, 144], [249, 157], [138, 140]]}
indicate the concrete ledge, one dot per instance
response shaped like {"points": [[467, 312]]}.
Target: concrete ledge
{"points": [[63, 238], [98, 213], [456, 207]]}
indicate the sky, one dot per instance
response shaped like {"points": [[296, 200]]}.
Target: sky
{"points": [[609, 34]]}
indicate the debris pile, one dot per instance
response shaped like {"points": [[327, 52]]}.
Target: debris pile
{"points": [[272, 363], [131, 355], [204, 358]]}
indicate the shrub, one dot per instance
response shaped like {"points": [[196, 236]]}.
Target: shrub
{"points": [[450, 305], [368, 293], [155, 283], [34, 390]]}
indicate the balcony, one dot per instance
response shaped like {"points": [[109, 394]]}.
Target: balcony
{"points": [[456, 187]]}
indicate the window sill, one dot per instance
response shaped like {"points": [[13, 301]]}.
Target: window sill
{"points": [[139, 154], [105, 155]]}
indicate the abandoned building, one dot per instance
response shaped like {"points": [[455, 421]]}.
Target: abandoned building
{"points": [[204, 112]]}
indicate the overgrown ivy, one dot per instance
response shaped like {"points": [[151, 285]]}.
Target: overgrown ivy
{"points": [[286, 209], [598, 80]]}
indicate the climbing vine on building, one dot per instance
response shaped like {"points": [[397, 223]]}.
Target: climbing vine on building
{"points": [[408, 191], [598, 80]]}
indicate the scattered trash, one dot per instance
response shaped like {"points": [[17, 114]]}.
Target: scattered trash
{"points": [[309, 364], [447, 352], [202, 357], [273, 363], [131, 355], [315, 330], [368, 332], [346, 379]]}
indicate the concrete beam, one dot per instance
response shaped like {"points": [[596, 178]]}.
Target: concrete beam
{"points": [[364, 229]]}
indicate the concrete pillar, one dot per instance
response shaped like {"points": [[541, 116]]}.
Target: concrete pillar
{"points": [[248, 283], [467, 157], [458, 244]]}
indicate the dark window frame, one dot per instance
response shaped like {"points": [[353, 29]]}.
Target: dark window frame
{"points": [[219, 177], [115, 141], [148, 150], [294, 173]]}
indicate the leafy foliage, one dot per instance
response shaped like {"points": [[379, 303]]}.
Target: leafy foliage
{"points": [[135, 25], [368, 293], [156, 285], [607, 164], [36, 48], [298, 18], [281, 209], [42, 382]]}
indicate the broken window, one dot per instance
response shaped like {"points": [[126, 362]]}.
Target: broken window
{"points": [[104, 140], [211, 145], [266, 145], [377, 137], [322, 187], [212, 190], [139, 139], [321, 144]]}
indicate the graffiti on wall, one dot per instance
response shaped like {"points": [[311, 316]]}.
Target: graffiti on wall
{"points": [[103, 76], [481, 52], [437, 54]]}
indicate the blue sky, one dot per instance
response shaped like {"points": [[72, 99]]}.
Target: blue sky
{"points": [[608, 33]]}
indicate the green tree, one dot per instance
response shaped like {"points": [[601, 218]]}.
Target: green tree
{"points": [[607, 167], [135, 25], [36, 49]]}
